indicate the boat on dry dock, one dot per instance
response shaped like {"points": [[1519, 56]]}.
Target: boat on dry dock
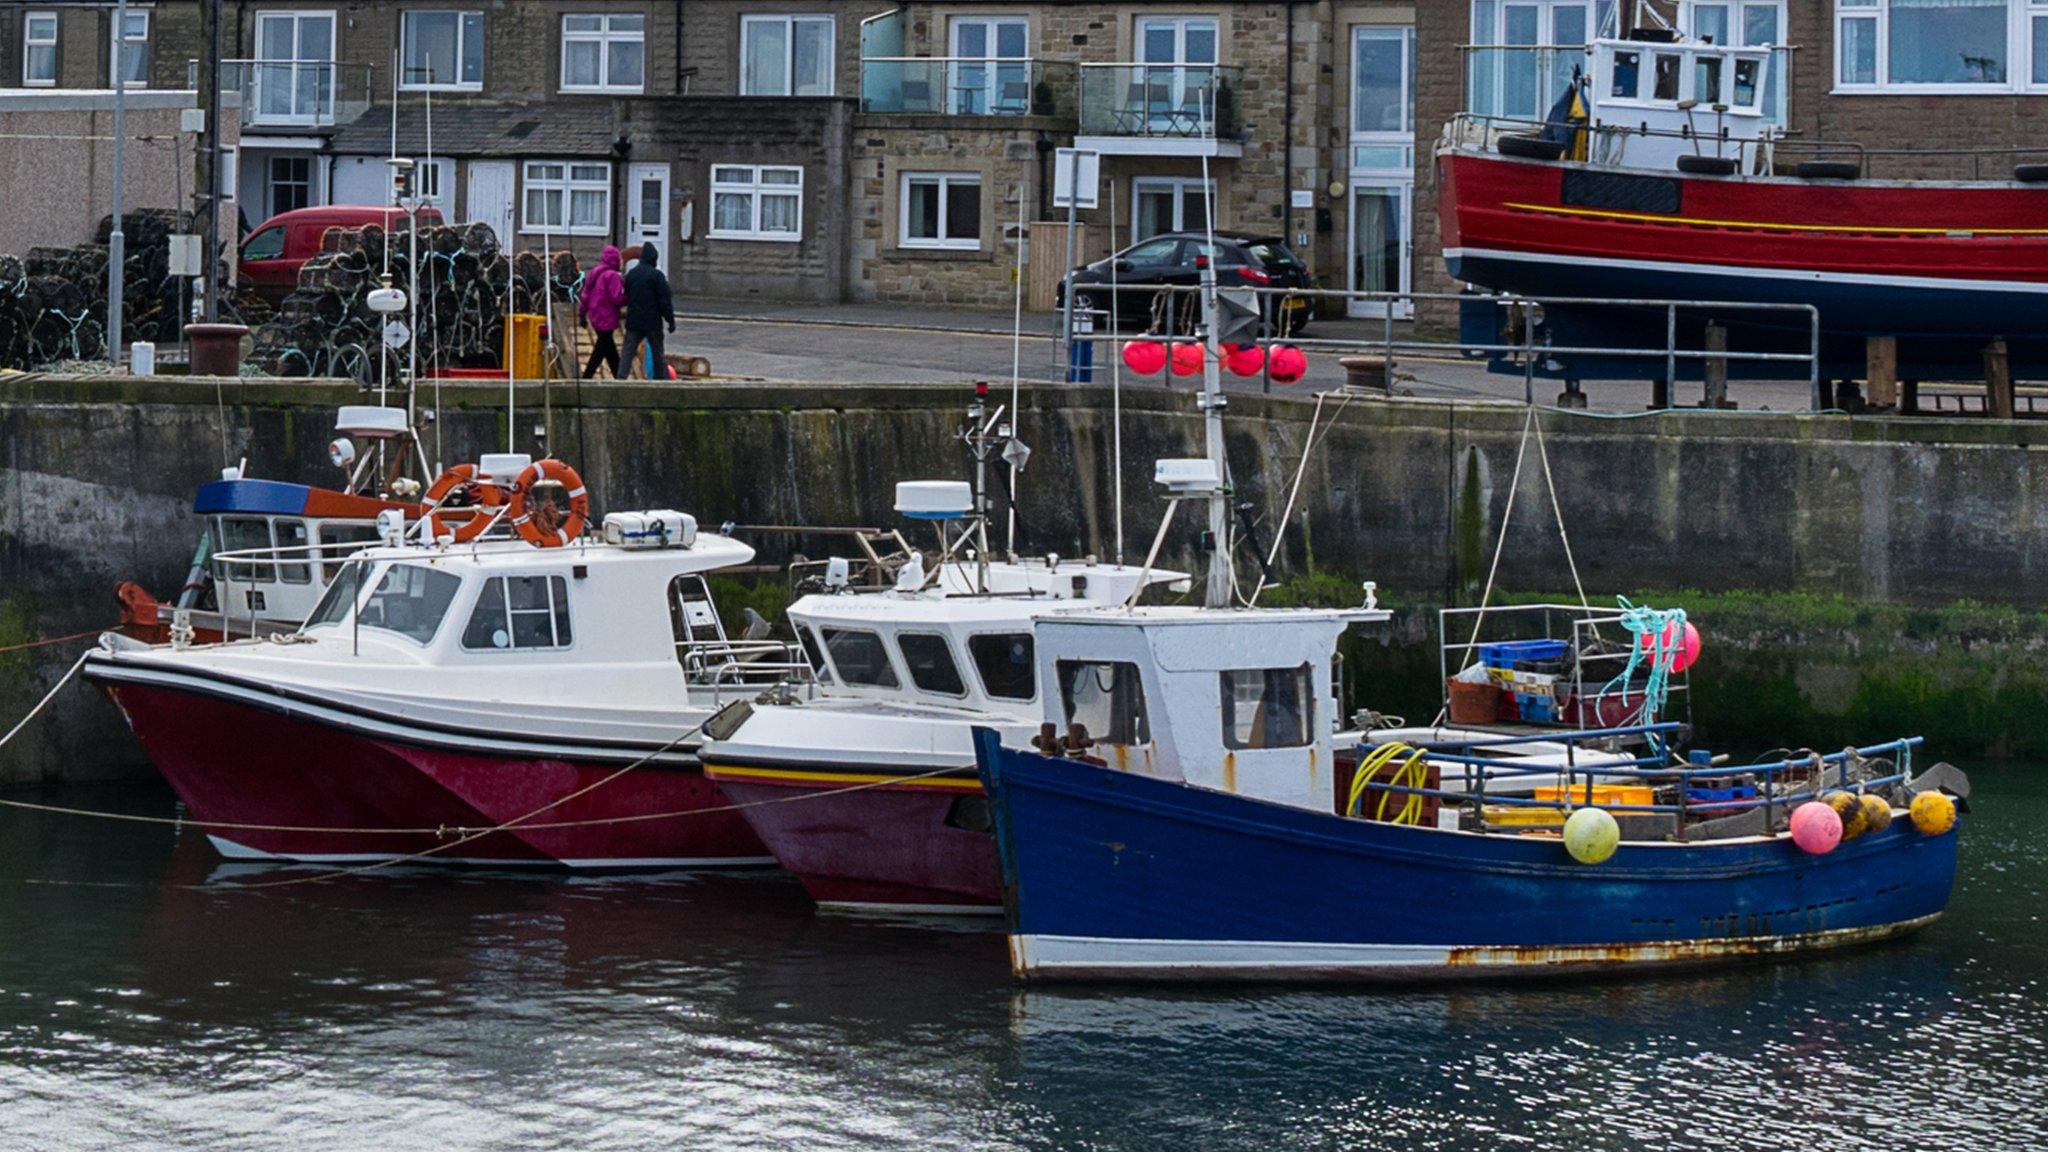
{"points": [[462, 676]]}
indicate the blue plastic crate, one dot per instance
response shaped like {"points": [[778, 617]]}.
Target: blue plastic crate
{"points": [[1536, 709], [1508, 653]]}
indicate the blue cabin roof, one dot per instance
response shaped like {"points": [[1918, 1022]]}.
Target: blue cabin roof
{"points": [[272, 496]]}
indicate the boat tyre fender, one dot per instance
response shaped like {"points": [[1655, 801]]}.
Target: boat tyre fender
{"points": [[1828, 170], [477, 496], [2031, 173], [1706, 165], [547, 526], [1528, 147]]}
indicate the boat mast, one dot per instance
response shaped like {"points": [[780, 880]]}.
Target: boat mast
{"points": [[1219, 588]]}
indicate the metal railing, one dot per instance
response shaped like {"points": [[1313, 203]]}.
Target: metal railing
{"points": [[1174, 100], [1523, 81], [1609, 144], [294, 93], [1174, 311], [966, 86], [743, 667]]}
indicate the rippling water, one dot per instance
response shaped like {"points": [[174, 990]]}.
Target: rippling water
{"points": [[144, 1003]]}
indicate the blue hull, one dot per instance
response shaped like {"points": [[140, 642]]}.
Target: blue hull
{"points": [[1111, 875]]}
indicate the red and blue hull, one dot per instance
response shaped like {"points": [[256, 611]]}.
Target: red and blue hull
{"points": [[1111, 875], [270, 777], [1945, 268]]}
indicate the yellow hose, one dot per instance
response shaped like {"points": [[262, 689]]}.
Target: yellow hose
{"points": [[1413, 773]]}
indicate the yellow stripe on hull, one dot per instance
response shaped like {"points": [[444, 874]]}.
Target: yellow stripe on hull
{"points": [[806, 776], [1772, 225]]}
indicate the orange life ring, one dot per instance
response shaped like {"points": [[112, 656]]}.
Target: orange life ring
{"points": [[547, 527], [478, 495]]}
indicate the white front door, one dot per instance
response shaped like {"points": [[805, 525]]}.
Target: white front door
{"points": [[647, 211], [1382, 168], [490, 197]]}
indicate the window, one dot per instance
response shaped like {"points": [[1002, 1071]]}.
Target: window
{"points": [[1268, 707], [568, 197], [39, 49], [290, 534], [294, 73], [291, 184], [1940, 45], [813, 652], [990, 74], [1175, 84], [1664, 82], [443, 50], [265, 245], [930, 661], [1006, 665], [756, 203], [340, 597], [604, 53], [246, 534], [1168, 204], [941, 211], [1527, 50], [1747, 24], [519, 612], [786, 55], [1106, 698], [335, 541], [1382, 81], [1628, 68], [131, 51], [410, 601], [859, 658], [1706, 80]]}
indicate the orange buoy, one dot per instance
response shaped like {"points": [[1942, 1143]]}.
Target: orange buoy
{"points": [[478, 496], [547, 526]]}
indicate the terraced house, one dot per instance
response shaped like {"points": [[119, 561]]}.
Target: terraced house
{"points": [[866, 150]]}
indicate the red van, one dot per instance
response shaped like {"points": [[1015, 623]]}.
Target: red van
{"points": [[274, 252]]}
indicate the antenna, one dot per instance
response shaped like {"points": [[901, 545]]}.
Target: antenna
{"points": [[1016, 372], [1220, 578]]}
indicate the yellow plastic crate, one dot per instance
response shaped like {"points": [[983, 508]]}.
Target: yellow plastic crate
{"points": [[1603, 795], [1522, 816]]}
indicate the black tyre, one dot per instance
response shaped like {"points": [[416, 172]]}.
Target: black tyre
{"points": [[1707, 165], [2031, 173], [1530, 147]]}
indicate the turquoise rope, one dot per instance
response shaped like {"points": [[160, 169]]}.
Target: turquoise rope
{"points": [[1665, 628]]}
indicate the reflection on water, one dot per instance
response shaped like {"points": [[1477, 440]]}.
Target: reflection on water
{"points": [[145, 1002]]}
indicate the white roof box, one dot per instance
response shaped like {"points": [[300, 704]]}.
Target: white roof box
{"points": [[660, 528], [503, 467], [935, 499], [1187, 477], [370, 421]]}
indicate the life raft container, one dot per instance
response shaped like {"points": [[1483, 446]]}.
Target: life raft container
{"points": [[547, 527], [478, 497]]}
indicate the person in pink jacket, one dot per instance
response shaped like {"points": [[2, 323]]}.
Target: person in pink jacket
{"points": [[604, 293]]}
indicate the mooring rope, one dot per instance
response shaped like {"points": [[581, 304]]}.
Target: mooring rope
{"points": [[47, 641]]}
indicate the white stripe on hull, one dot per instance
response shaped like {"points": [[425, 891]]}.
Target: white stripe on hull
{"points": [[1108, 958], [886, 908], [1748, 272], [234, 851]]}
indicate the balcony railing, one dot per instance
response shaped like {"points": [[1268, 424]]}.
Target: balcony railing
{"points": [[294, 93], [966, 86], [1181, 100], [1522, 81]]}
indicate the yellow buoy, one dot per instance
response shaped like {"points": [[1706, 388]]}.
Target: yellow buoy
{"points": [[1877, 812], [1933, 813], [1591, 835], [1850, 809]]}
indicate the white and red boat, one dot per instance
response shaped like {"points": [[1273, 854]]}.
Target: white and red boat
{"points": [[445, 686], [1661, 177], [880, 753]]}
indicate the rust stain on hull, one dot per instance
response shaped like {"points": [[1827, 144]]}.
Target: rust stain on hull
{"points": [[1675, 951]]}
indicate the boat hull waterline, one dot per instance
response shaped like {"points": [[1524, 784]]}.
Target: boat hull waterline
{"points": [[239, 761], [860, 842], [1118, 876]]}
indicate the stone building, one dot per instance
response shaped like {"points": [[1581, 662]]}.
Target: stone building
{"points": [[862, 150]]}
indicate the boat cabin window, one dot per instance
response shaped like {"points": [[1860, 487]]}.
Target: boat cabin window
{"points": [[334, 539], [1745, 83], [410, 600], [1706, 80], [246, 534], [1627, 75], [290, 533], [1006, 663], [930, 661], [1106, 698], [519, 612], [1665, 77], [342, 590], [1268, 707], [859, 658], [812, 652]]}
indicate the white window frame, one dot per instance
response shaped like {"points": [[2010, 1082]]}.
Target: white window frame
{"points": [[789, 21], [753, 189], [605, 37], [566, 186], [1180, 186], [271, 183], [271, 69], [29, 44], [974, 84], [120, 40], [462, 18], [1777, 97], [945, 181], [2020, 16], [1493, 36]]}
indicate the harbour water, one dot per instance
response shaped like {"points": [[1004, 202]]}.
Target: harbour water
{"points": [[153, 997]]}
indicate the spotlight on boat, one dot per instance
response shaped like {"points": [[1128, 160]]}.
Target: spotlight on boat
{"points": [[391, 527], [342, 452]]}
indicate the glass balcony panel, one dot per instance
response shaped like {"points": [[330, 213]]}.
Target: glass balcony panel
{"points": [[965, 86], [1182, 100]]}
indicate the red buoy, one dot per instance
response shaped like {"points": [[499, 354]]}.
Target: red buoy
{"points": [[1287, 364], [1187, 358], [1145, 357], [1246, 359]]}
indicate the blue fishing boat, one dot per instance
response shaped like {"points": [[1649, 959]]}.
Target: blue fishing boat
{"points": [[1199, 819]]}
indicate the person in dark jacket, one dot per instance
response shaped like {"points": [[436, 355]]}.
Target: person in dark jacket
{"points": [[649, 307]]}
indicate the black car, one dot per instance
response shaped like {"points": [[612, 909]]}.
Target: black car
{"points": [[1244, 260]]}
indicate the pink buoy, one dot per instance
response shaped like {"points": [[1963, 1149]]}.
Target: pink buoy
{"points": [[1187, 358], [1287, 364], [1145, 357], [1816, 828], [1245, 360], [1683, 647]]}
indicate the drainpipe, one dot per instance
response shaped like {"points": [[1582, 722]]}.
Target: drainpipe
{"points": [[1287, 130], [679, 48], [210, 74], [1045, 150]]}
